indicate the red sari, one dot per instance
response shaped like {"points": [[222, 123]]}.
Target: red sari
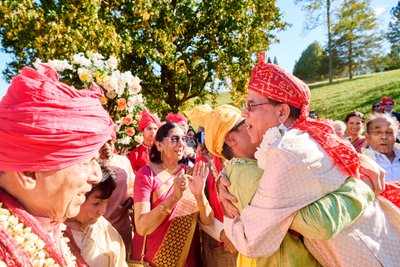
{"points": [[172, 243]]}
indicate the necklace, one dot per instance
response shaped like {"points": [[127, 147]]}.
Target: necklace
{"points": [[170, 171], [31, 243]]}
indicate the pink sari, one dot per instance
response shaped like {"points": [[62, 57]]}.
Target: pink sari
{"points": [[172, 243]]}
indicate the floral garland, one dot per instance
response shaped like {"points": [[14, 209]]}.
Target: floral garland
{"points": [[272, 136], [121, 91], [31, 243]]}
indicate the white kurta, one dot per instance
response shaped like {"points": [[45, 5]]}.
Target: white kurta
{"points": [[297, 172]]}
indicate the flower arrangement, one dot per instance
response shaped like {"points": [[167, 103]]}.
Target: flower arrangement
{"points": [[121, 91], [272, 136]]}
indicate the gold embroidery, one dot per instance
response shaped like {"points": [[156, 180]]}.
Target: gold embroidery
{"points": [[175, 246]]}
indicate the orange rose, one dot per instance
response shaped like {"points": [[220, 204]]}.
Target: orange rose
{"points": [[127, 120], [121, 104], [130, 131]]}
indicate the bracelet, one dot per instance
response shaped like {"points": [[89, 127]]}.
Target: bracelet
{"points": [[164, 210], [203, 208]]}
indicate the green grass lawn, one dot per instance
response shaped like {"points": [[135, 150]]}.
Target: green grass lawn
{"points": [[344, 96]]}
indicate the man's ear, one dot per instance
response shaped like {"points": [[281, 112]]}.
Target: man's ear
{"points": [[283, 112], [230, 139], [27, 180]]}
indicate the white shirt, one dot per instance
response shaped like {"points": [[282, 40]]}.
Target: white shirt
{"points": [[392, 168]]}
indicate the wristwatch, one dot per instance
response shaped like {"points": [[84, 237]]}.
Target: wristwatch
{"points": [[164, 210]]}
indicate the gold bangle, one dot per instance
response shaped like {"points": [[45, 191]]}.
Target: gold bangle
{"points": [[203, 208], [164, 210]]}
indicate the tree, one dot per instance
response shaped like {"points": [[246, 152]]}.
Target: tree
{"points": [[275, 61], [309, 66], [393, 34], [180, 49], [355, 38], [320, 12]]}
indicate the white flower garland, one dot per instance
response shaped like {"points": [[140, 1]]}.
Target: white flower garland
{"points": [[272, 136], [30, 242]]}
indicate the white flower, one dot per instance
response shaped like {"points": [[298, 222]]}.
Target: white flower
{"points": [[134, 85], [273, 135], [112, 62], [117, 127], [60, 65], [80, 59], [97, 56], [98, 63], [124, 141], [137, 100], [37, 63]]}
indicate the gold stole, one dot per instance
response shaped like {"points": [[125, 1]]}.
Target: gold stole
{"points": [[175, 247]]}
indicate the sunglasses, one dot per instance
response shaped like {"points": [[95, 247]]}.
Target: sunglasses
{"points": [[389, 104], [240, 123], [377, 106], [176, 138], [250, 106]]}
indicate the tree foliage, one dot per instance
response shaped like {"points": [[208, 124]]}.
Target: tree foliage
{"points": [[393, 34], [354, 35], [320, 12], [180, 49], [309, 66]]}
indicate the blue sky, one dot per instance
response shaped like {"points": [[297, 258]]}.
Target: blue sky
{"points": [[292, 41]]}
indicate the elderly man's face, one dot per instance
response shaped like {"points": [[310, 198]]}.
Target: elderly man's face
{"points": [[388, 106], [64, 190], [261, 117], [381, 135]]}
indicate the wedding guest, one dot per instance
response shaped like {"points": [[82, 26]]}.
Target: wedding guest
{"points": [[50, 136], [120, 203], [168, 203], [304, 160], [97, 241], [354, 129], [339, 127], [388, 105], [381, 135], [148, 126]]}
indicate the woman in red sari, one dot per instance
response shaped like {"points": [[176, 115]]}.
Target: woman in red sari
{"points": [[168, 202]]}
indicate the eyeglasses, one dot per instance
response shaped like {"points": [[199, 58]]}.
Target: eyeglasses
{"points": [[389, 104], [176, 138], [240, 123], [250, 106], [377, 106]]}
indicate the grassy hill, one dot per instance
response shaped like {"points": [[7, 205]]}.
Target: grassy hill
{"points": [[344, 96]]}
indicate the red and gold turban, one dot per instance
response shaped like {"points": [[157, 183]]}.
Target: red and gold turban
{"points": [[146, 119], [48, 125], [275, 83]]}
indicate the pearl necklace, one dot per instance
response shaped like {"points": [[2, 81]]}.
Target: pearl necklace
{"points": [[31, 243]]}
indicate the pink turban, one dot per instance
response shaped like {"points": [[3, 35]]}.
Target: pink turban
{"points": [[176, 117], [48, 125], [275, 83], [146, 119]]}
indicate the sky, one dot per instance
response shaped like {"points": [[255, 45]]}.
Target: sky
{"points": [[293, 41]]}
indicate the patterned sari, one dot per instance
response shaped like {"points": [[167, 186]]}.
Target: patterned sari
{"points": [[172, 243]]}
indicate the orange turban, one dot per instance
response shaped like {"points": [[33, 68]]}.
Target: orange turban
{"points": [[146, 119], [275, 83], [217, 123], [48, 125]]}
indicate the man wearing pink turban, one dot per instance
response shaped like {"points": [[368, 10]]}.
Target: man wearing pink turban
{"points": [[148, 126], [178, 119], [388, 105], [50, 136], [304, 160]]}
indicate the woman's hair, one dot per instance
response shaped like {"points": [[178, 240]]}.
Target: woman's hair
{"points": [[354, 114], [162, 132], [107, 184]]}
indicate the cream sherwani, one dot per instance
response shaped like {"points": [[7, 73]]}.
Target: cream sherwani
{"points": [[297, 172]]}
